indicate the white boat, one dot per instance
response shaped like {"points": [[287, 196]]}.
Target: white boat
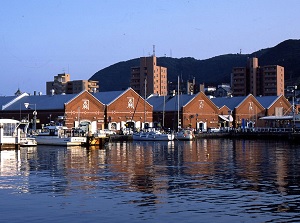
{"points": [[9, 134], [28, 141], [13, 134], [60, 136], [25, 140], [152, 135], [185, 134]]}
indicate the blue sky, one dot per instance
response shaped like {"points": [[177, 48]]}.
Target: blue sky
{"points": [[42, 38]]}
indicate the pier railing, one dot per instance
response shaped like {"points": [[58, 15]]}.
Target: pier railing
{"points": [[261, 129]]}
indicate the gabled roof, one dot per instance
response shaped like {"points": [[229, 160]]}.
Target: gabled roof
{"points": [[79, 94], [230, 102], [203, 96], [42, 102], [7, 101], [171, 102], [158, 102], [108, 97], [54, 102], [267, 101]]}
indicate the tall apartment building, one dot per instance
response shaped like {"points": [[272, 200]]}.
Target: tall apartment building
{"points": [[62, 84], [59, 84], [149, 77], [253, 79]]}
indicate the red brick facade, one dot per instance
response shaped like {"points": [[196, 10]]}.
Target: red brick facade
{"points": [[200, 111], [281, 104], [129, 108], [249, 111], [85, 108]]}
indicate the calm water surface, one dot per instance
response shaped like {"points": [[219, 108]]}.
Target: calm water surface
{"points": [[208, 180]]}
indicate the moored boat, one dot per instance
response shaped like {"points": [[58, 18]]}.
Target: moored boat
{"points": [[28, 141], [13, 134], [185, 134], [25, 139], [152, 135], [60, 136]]}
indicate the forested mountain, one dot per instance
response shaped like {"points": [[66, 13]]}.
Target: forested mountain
{"points": [[213, 71]]}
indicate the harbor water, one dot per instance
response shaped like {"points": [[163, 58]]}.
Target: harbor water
{"points": [[207, 180]]}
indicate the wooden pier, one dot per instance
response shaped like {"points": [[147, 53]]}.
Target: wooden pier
{"points": [[9, 146]]}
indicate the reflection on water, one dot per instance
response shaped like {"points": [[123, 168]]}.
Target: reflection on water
{"points": [[209, 179]]}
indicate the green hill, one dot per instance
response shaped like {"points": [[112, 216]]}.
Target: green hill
{"points": [[211, 71], [286, 54]]}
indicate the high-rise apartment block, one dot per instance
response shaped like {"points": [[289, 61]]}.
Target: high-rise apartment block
{"points": [[149, 78], [62, 84], [253, 79]]}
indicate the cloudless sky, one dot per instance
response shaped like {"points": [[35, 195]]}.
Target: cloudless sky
{"points": [[42, 38]]}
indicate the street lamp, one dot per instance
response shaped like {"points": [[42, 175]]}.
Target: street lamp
{"points": [[34, 114]]}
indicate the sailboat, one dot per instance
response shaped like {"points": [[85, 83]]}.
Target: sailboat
{"points": [[151, 134]]}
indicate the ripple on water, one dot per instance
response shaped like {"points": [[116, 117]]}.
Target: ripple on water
{"points": [[240, 181]]}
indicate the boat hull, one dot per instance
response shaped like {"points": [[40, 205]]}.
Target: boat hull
{"points": [[152, 137], [185, 135], [28, 141], [56, 141], [184, 138]]}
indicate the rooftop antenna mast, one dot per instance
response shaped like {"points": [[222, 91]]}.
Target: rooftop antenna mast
{"points": [[153, 50]]}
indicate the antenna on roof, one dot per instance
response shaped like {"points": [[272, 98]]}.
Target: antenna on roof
{"points": [[240, 51], [153, 50]]}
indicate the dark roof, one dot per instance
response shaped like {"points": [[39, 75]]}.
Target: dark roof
{"points": [[230, 102], [42, 102], [5, 100], [158, 102], [267, 101], [233, 102], [171, 102], [108, 96], [54, 102]]}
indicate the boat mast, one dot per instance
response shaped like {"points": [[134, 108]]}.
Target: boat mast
{"points": [[145, 101], [178, 105], [78, 116]]}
